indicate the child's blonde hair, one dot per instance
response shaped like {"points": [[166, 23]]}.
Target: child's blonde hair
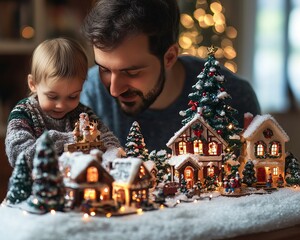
{"points": [[58, 58]]}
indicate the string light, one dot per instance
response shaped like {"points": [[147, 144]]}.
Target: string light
{"points": [[205, 26]]}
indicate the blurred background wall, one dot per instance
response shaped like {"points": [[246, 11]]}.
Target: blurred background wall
{"points": [[257, 39]]}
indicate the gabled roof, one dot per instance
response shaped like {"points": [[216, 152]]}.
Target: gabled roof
{"points": [[196, 118], [258, 121], [125, 169], [179, 161]]}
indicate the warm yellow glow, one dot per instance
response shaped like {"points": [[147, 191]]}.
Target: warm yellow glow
{"points": [[122, 209], [275, 171], [89, 193], [229, 52], [161, 206], [202, 52], [52, 211], [208, 19], [220, 28], [139, 211], [92, 174], [92, 214], [216, 7], [226, 42], [108, 215], [186, 20], [212, 148], [198, 13], [28, 32], [219, 53], [230, 126], [85, 216], [219, 18], [231, 32], [195, 201], [182, 147], [198, 147], [231, 66]]}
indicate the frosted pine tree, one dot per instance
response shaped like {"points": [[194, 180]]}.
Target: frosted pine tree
{"points": [[135, 145], [161, 163], [210, 99], [293, 171], [47, 188], [249, 174], [20, 182]]}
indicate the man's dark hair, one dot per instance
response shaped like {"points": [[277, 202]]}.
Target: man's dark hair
{"points": [[111, 21]]}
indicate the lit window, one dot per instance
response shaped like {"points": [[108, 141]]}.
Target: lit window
{"points": [[212, 148], [275, 171], [92, 174], [142, 172], [188, 173], [182, 148], [275, 149], [105, 194], [260, 150], [89, 194], [198, 147]]}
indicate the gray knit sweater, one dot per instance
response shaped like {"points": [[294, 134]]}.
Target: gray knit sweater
{"points": [[27, 122]]}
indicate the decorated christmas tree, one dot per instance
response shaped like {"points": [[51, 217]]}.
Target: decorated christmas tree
{"points": [[47, 188], [249, 174], [20, 181], [211, 182], [135, 145], [210, 99], [183, 185], [160, 160], [293, 171]]}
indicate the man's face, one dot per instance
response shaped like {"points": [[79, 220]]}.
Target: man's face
{"points": [[132, 75]]}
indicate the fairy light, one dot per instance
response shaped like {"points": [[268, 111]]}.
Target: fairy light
{"points": [[139, 211], [207, 25], [108, 215], [52, 212], [92, 214], [86, 216]]}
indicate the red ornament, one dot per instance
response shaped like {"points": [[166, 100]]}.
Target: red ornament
{"points": [[219, 132], [197, 133], [211, 74], [204, 94], [222, 89], [191, 103]]}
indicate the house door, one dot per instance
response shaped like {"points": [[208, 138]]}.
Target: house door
{"points": [[261, 174], [121, 196], [189, 177]]}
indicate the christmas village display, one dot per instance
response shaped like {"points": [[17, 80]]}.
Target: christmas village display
{"points": [[209, 154]]}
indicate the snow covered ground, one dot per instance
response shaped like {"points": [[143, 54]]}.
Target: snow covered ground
{"points": [[222, 217]]}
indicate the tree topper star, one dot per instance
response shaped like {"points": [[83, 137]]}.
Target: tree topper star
{"points": [[211, 50]]}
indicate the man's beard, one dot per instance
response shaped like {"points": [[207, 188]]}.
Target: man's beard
{"points": [[147, 100]]}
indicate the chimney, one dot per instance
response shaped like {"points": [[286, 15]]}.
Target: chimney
{"points": [[248, 117]]}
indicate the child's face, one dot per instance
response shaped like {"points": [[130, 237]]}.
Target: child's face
{"points": [[57, 98]]}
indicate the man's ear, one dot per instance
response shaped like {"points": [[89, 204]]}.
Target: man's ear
{"points": [[31, 83], [171, 55]]}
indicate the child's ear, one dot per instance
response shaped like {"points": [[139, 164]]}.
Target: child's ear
{"points": [[31, 83]]}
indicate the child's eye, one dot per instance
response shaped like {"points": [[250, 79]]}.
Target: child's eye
{"points": [[52, 97], [73, 97]]}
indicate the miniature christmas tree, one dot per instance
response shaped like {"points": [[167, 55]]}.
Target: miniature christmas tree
{"points": [[20, 181], [209, 99], [183, 187], [249, 174], [47, 188], [211, 182], [135, 145], [293, 171], [159, 158]]}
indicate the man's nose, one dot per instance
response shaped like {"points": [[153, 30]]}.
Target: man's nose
{"points": [[118, 85]]}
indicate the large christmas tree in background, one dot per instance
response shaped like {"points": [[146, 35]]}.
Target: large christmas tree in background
{"points": [[135, 145], [47, 188], [210, 99], [162, 165], [20, 182]]}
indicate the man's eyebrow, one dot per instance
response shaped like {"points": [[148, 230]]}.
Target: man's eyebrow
{"points": [[135, 67]]}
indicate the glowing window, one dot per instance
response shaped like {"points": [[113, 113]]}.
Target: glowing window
{"points": [[142, 172], [260, 150], [275, 149], [92, 174], [89, 194], [198, 147], [212, 148], [275, 171], [182, 148]]}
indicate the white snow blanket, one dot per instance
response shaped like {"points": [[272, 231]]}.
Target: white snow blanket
{"points": [[222, 217]]}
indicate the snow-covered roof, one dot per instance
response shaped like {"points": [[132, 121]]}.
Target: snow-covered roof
{"points": [[125, 169], [258, 121], [197, 117], [79, 164], [178, 161], [150, 165]]}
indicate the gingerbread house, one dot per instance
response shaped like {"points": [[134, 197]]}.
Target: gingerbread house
{"points": [[132, 181], [264, 143], [85, 180], [197, 138]]}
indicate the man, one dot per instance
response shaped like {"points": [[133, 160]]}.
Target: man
{"points": [[138, 75]]}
